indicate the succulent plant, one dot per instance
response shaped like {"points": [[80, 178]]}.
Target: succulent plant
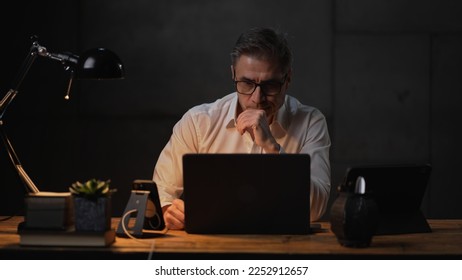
{"points": [[91, 189]]}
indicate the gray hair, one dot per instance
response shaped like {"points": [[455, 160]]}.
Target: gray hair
{"points": [[264, 43]]}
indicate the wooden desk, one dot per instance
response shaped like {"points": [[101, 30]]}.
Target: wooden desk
{"points": [[444, 242]]}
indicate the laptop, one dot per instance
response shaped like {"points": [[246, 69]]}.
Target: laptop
{"points": [[247, 193], [398, 191]]}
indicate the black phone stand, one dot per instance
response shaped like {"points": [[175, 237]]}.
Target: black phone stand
{"points": [[137, 204], [142, 216]]}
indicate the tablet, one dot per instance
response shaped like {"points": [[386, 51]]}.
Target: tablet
{"points": [[398, 191]]}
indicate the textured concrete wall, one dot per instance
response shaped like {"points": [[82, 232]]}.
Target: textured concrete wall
{"points": [[397, 86]]}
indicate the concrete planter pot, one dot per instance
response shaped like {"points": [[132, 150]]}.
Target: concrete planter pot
{"points": [[92, 214]]}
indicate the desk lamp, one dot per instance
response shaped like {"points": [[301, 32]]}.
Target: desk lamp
{"points": [[97, 63]]}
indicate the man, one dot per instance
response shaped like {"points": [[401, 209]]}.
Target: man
{"points": [[258, 118]]}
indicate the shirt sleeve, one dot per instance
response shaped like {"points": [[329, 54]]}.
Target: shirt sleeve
{"points": [[168, 170], [317, 145]]}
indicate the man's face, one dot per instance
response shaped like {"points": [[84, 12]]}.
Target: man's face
{"points": [[260, 71]]}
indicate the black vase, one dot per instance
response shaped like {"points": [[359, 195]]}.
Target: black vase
{"points": [[354, 219]]}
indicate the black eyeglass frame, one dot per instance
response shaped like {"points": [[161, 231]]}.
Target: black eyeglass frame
{"points": [[261, 85]]}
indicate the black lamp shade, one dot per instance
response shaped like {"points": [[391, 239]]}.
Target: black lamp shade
{"points": [[99, 63]]}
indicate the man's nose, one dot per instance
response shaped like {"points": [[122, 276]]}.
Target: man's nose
{"points": [[258, 95]]}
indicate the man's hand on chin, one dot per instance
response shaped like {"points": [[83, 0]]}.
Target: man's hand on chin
{"points": [[256, 123]]}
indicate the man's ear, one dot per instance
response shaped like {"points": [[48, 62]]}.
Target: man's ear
{"points": [[232, 73]]}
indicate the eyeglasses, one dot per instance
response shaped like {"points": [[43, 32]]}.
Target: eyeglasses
{"points": [[270, 88]]}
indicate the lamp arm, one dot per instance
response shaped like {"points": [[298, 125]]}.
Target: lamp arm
{"points": [[16, 163], [37, 49], [6, 101], [30, 58]]}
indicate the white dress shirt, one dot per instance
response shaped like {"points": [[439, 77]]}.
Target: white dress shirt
{"points": [[210, 128]]}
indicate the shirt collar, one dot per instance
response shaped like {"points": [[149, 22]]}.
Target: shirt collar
{"points": [[278, 127], [231, 116]]}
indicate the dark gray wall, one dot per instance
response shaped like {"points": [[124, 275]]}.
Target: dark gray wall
{"points": [[385, 73]]}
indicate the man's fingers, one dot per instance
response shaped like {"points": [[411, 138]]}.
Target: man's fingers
{"points": [[249, 120], [179, 203], [178, 211], [174, 216]]}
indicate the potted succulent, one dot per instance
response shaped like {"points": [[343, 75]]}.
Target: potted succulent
{"points": [[92, 205]]}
